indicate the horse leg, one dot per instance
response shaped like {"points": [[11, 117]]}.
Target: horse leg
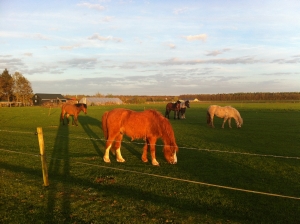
{"points": [[145, 151], [229, 122], [107, 148], [212, 121], [176, 114], [224, 121], [182, 111], [152, 151], [167, 113], [75, 120], [119, 157], [67, 117], [62, 118]]}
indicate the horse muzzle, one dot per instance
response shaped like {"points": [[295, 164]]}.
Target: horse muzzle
{"points": [[173, 160]]}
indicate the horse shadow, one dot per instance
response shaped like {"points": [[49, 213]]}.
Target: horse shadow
{"points": [[87, 122], [128, 145]]}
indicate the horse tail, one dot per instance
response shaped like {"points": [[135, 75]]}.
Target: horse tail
{"points": [[104, 124], [208, 118]]}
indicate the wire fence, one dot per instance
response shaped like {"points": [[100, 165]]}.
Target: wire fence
{"points": [[162, 176], [179, 147]]}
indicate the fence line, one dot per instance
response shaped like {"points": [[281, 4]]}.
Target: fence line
{"points": [[181, 147], [172, 178]]}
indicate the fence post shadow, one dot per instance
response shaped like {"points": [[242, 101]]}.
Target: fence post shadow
{"points": [[59, 167]]}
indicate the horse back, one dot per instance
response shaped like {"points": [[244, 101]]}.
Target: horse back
{"points": [[137, 125], [212, 109]]}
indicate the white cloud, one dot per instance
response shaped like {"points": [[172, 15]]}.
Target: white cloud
{"points": [[238, 60], [28, 54], [82, 63], [92, 6], [217, 52], [181, 10], [71, 47], [108, 18], [172, 46], [102, 38], [24, 35], [202, 37]]}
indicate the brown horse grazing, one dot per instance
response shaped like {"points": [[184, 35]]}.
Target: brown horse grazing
{"points": [[183, 106], [73, 110], [148, 125], [175, 107], [226, 112]]}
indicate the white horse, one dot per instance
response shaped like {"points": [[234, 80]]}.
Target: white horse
{"points": [[226, 112]]}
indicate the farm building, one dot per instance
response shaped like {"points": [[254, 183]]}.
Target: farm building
{"points": [[42, 98], [93, 101]]}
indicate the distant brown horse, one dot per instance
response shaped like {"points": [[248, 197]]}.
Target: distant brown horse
{"points": [[226, 112], [73, 110], [148, 125], [175, 107], [183, 106]]}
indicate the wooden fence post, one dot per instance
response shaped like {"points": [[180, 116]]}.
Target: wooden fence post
{"points": [[43, 156]]}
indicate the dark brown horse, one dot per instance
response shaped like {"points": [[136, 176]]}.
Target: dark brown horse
{"points": [[148, 125], [175, 107], [73, 110], [183, 106]]}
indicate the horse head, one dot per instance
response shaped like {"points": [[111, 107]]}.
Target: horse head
{"points": [[170, 146], [187, 103], [170, 153], [84, 108], [239, 122]]}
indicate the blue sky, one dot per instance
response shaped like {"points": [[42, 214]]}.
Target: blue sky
{"points": [[152, 47]]}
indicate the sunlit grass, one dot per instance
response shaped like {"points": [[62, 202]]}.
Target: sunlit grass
{"points": [[84, 189]]}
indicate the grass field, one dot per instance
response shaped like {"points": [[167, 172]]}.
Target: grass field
{"points": [[210, 184]]}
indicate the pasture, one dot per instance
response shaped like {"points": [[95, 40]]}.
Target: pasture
{"points": [[247, 175]]}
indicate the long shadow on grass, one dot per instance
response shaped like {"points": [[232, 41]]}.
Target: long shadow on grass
{"points": [[239, 206], [60, 166], [86, 123]]}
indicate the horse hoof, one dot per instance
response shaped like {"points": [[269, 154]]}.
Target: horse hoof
{"points": [[121, 160], [107, 160], [145, 160], [155, 163]]}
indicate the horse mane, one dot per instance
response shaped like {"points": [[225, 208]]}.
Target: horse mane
{"points": [[164, 123], [80, 104], [167, 131], [240, 119], [237, 115]]}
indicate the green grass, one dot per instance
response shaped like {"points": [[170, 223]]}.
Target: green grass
{"points": [[84, 189]]}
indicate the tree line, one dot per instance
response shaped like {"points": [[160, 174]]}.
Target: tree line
{"points": [[255, 96], [15, 88]]}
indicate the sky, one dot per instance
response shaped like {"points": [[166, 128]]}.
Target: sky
{"points": [[160, 47]]}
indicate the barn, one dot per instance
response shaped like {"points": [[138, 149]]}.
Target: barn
{"points": [[95, 101], [42, 98]]}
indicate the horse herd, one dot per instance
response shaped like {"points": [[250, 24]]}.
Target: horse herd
{"points": [[148, 125]]}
